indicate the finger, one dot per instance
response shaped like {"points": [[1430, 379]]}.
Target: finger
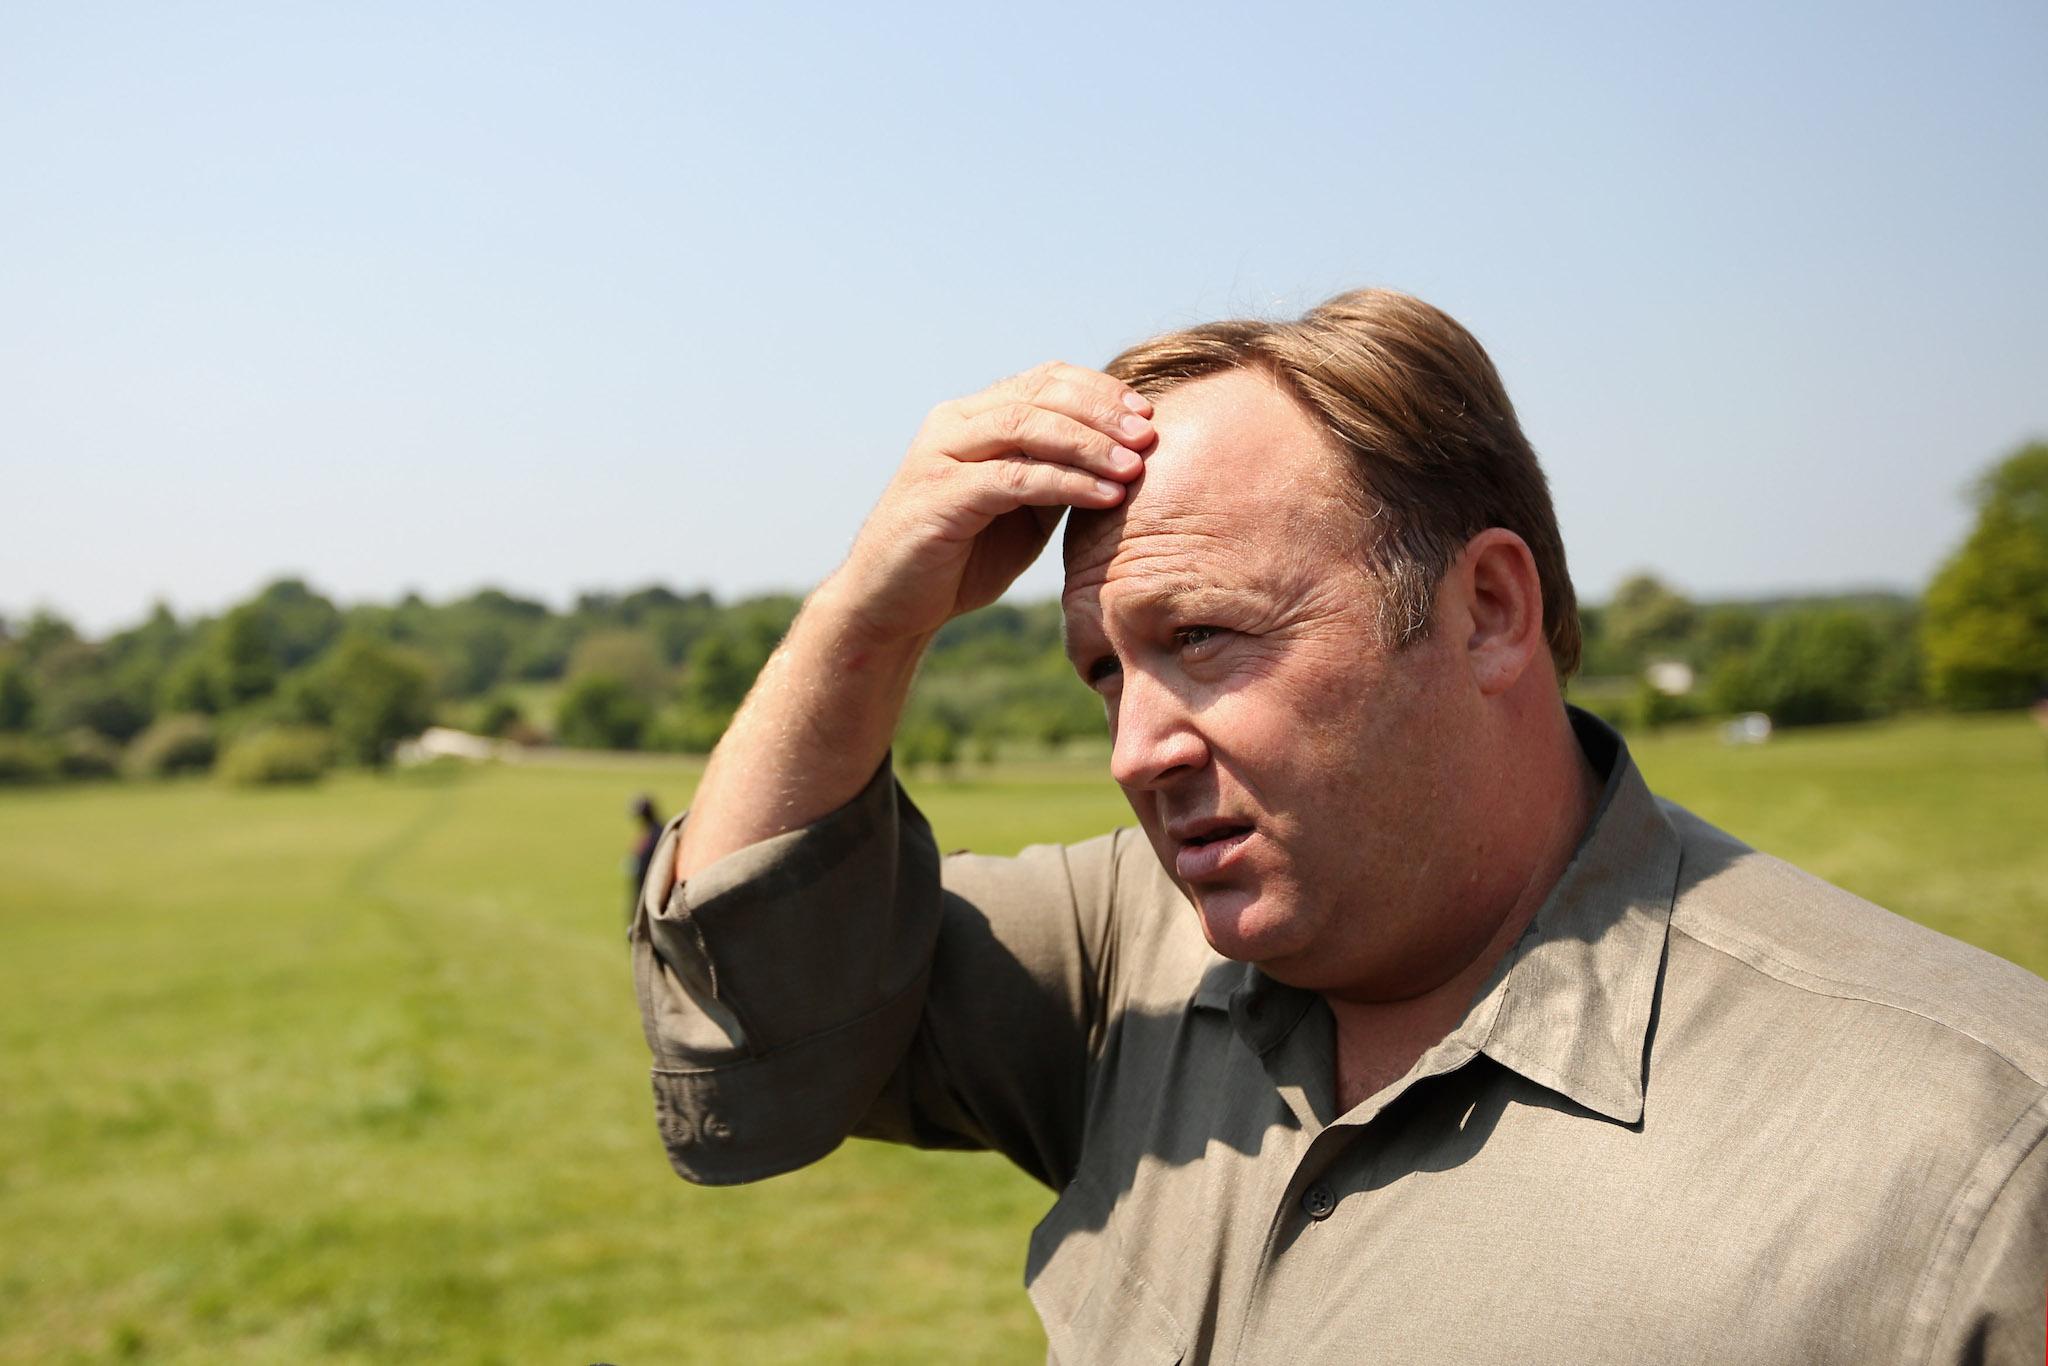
{"points": [[1104, 403], [1043, 434], [1000, 486]]}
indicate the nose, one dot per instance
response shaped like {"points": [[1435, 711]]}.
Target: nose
{"points": [[1153, 736]]}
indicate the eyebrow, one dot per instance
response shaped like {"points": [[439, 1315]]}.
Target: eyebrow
{"points": [[1166, 596], [1140, 603]]}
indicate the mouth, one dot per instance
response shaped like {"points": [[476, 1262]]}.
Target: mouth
{"points": [[1206, 848]]}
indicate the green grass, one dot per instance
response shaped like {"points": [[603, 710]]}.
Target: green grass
{"points": [[354, 1072], [1941, 819]]}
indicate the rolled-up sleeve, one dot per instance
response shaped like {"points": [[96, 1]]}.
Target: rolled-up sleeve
{"points": [[842, 979]]}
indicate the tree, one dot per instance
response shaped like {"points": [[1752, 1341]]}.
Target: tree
{"points": [[720, 673], [1817, 664], [188, 686], [601, 712], [1729, 628], [1647, 616], [726, 659], [245, 656], [375, 695], [631, 657], [44, 632], [17, 696], [1985, 627], [74, 689], [302, 623]]}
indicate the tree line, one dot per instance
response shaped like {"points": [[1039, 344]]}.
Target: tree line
{"points": [[288, 683]]}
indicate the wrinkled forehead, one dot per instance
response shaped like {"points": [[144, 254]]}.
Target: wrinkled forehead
{"points": [[1239, 465], [1161, 513]]}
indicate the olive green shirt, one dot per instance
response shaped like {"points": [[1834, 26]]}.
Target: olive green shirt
{"points": [[1707, 1109]]}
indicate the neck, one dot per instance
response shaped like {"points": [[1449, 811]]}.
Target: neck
{"points": [[1547, 812]]}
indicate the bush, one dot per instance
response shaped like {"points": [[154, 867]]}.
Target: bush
{"points": [[281, 754], [26, 759], [1655, 708], [499, 715], [377, 695], [681, 728], [173, 745], [927, 744], [1818, 665], [88, 754], [601, 712]]}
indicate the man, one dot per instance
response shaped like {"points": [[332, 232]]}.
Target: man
{"points": [[1421, 1031], [646, 837]]}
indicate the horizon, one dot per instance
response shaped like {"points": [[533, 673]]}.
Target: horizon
{"points": [[12, 620]]}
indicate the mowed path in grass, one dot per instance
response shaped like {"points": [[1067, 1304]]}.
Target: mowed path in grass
{"points": [[354, 1073]]}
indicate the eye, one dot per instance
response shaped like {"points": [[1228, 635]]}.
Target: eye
{"points": [[1199, 641]]}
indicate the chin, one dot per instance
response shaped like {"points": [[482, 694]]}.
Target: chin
{"points": [[1248, 927]]}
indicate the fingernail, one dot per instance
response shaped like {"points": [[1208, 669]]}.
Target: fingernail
{"points": [[1136, 401], [1108, 490], [1134, 426], [1124, 458]]}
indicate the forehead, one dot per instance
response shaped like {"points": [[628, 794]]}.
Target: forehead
{"points": [[1241, 474]]}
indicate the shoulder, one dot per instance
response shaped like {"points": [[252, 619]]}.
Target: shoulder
{"points": [[1777, 931], [1123, 912], [1145, 935]]}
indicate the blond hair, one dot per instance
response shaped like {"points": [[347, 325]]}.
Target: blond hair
{"points": [[1437, 452]]}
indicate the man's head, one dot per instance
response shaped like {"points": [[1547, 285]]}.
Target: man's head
{"points": [[1435, 454], [1328, 658]]}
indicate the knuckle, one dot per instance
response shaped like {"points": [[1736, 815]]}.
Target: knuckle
{"points": [[943, 419], [1044, 376], [1015, 476], [1012, 421], [1065, 396]]}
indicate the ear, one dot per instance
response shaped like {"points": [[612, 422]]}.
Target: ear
{"points": [[1503, 601]]}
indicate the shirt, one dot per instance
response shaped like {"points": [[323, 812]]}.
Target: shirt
{"points": [[1708, 1108]]}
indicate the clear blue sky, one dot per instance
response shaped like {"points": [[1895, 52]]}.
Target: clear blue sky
{"points": [[554, 297]]}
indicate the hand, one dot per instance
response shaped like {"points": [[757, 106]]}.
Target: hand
{"points": [[985, 482]]}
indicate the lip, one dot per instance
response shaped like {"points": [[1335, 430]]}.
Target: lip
{"points": [[1195, 862]]}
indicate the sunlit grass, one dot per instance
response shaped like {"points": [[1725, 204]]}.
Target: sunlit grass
{"points": [[354, 1072]]}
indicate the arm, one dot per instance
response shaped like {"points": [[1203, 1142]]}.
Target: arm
{"points": [[791, 932], [974, 502], [1995, 1308]]}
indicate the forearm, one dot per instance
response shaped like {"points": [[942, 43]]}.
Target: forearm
{"points": [[976, 497], [810, 734]]}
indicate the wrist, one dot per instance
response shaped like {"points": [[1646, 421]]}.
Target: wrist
{"points": [[841, 617]]}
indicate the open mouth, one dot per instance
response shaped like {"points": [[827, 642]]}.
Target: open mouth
{"points": [[1209, 853]]}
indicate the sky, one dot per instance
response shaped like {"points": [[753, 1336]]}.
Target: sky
{"points": [[562, 298]]}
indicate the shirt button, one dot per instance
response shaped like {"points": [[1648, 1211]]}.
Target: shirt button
{"points": [[1318, 1201], [716, 1129]]}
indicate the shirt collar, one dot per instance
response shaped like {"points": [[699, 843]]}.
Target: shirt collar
{"points": [[1569, 1005]]}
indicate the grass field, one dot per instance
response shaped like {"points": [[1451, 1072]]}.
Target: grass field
{"points": [[354, 1073]]}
